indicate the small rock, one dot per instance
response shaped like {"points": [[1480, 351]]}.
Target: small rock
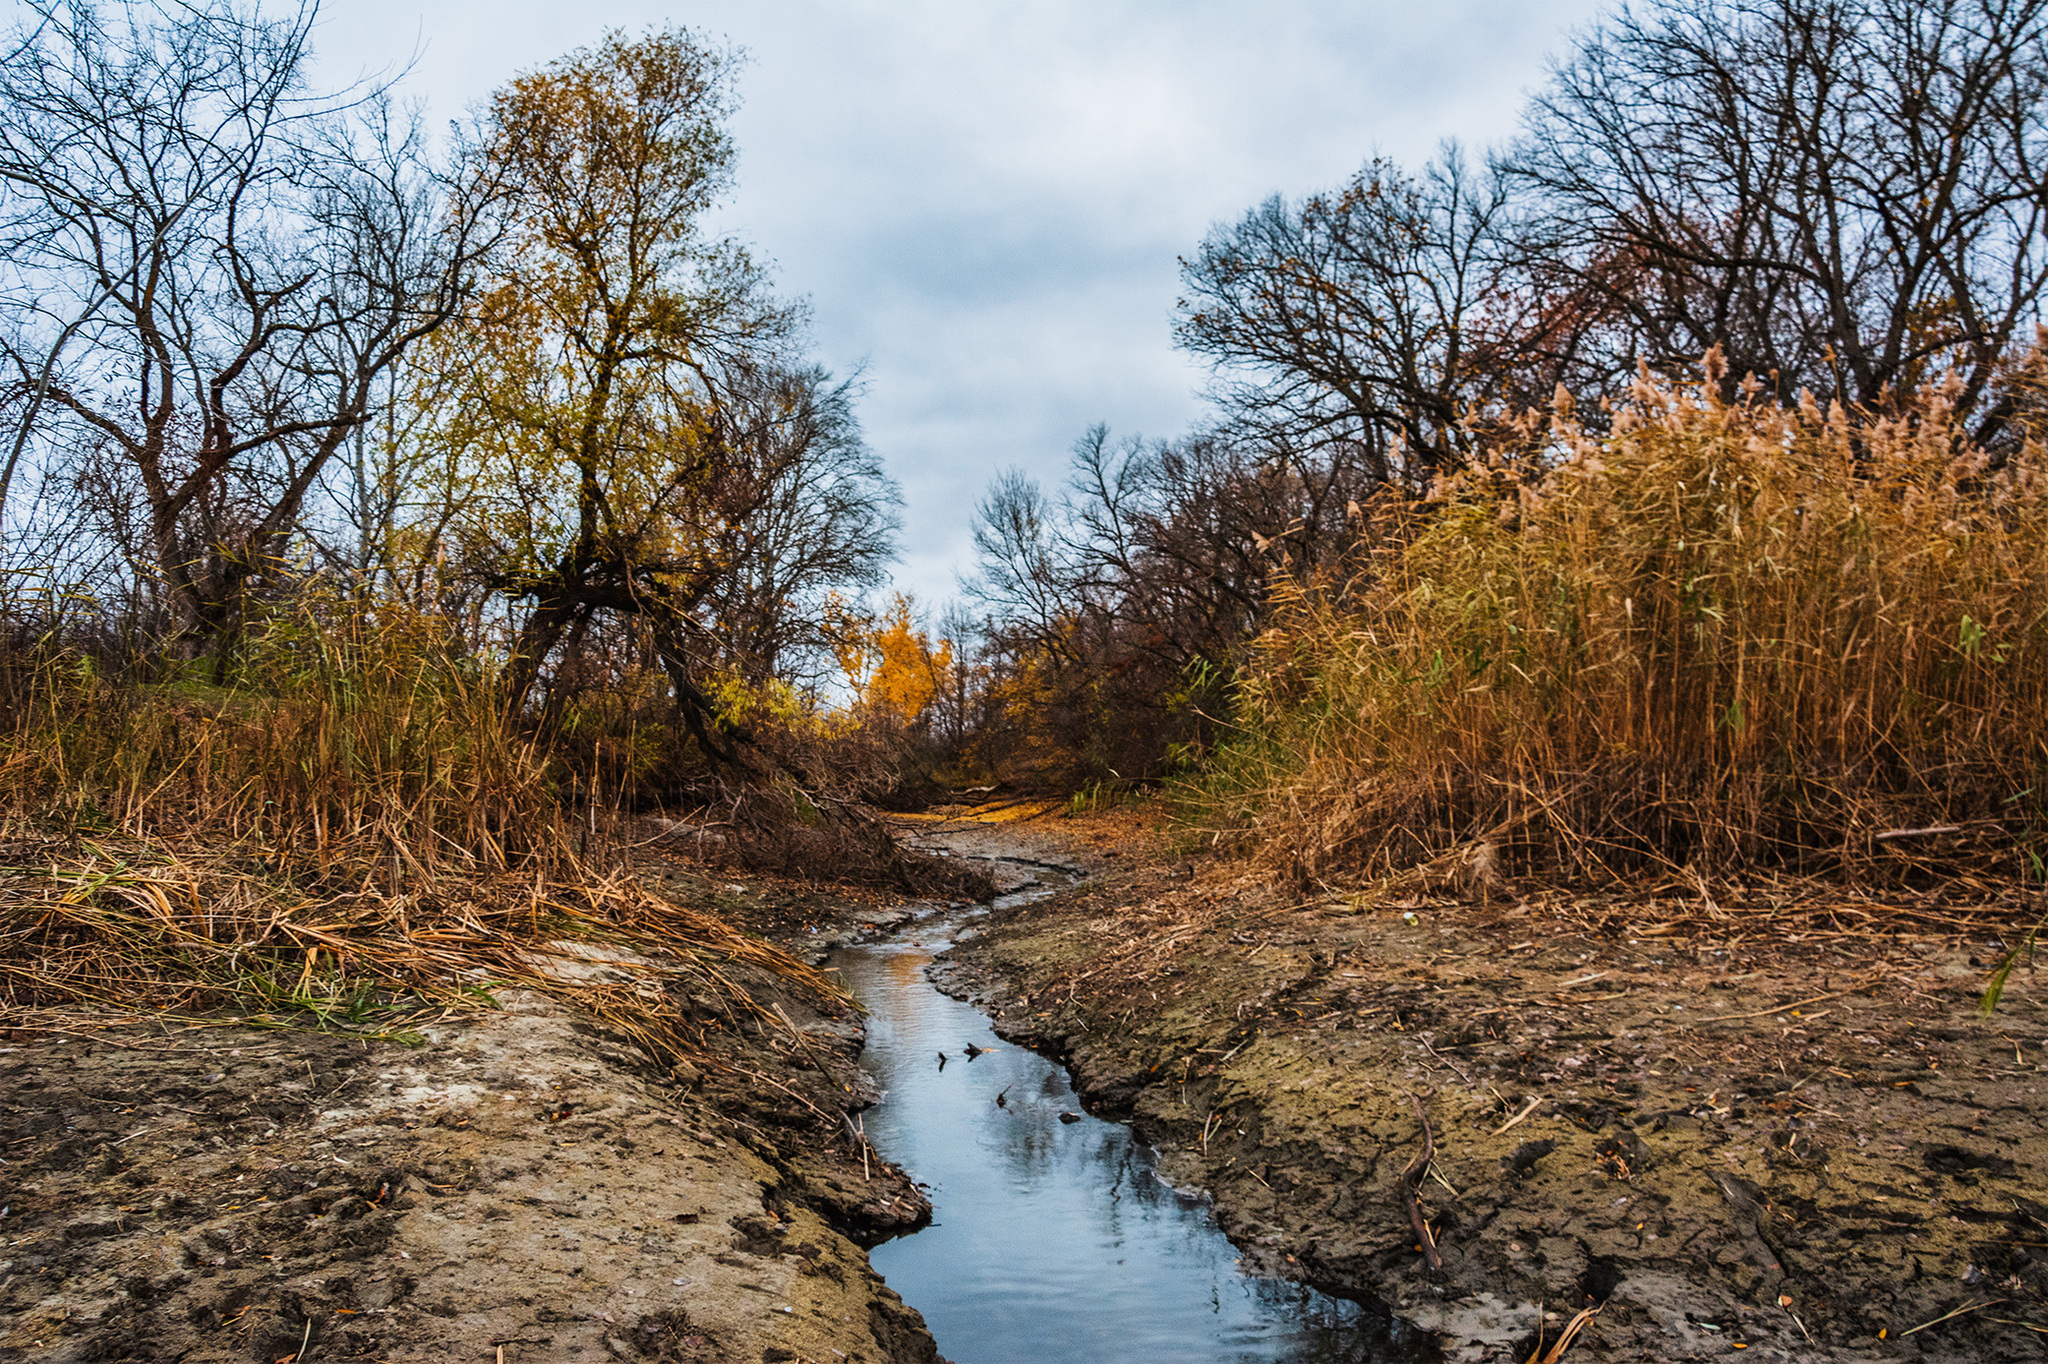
{"points": [[93, 1228]]}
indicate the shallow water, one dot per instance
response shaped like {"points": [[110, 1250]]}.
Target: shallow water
{"points": [[1054, 1241]]}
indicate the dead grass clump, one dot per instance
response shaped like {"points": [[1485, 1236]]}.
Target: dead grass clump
{"points": [[806, 809], [1718, 636], [788, 830], [134, 925]]}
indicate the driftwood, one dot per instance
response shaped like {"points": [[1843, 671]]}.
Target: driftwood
{"points": [[1411, 1177]]}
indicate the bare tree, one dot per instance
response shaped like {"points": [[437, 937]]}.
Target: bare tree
{"points": [[210, 269], [1025, 575], [822, 520], [1352, 318], [1847, 195]]}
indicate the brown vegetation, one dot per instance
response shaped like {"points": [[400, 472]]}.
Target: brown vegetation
{"points": [[1475, 574], [359, 825], [481, 524], [1719, 635]]}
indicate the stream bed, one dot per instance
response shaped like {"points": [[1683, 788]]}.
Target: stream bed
{"points": [[1053, 1238]]}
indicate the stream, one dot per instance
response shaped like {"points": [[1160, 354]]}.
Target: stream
{"points": [[1053, 1237]]}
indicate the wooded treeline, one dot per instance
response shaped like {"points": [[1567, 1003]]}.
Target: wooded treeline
{"points": [[1767, 228], [479, 454]]}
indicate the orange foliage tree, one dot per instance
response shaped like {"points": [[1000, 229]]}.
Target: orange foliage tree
{"points": [[893, 666]]}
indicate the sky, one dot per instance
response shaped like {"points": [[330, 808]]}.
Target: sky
{"points": [[985, 201]]}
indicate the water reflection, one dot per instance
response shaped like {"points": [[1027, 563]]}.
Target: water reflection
{"points": [[1055, 1241]]}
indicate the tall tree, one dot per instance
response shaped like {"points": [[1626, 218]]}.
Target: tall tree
{"points": [[1354, 319], [821, 524], [1848, 196], [616, 383]]}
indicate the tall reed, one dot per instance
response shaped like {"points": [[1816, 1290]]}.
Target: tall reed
{"points": [[1716, 635], [352, 820], [345, 729]]}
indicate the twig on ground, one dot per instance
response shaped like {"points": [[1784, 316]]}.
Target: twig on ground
{"points": [[1795, 1004], [805, 1043], [1950, 1316], [1571, 1331], [766, 1080], [1446, 1060], [1535, 1102], [1411, 1176], [2033, 1326], [859, 1136]]}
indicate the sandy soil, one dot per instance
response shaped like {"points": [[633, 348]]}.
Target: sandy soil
{"points": [[517, 1186], [1730, 1143]]}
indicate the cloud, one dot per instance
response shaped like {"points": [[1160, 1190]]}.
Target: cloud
{"points": [[985, 199]]}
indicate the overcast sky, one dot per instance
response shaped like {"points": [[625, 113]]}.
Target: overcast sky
{"points": [[985, 201]]}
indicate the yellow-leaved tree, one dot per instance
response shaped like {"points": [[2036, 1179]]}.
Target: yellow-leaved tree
{"points": [[892, 665], [612, 402]]}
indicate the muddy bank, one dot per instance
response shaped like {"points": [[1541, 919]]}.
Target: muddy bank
{"points": [[1779, 1150], [514, 1180]]}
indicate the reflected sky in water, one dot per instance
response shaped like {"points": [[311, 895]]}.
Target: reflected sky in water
{"points": [[1054, 1241]]}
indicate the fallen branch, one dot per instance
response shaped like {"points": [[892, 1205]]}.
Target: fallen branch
{"points": [[1412, 1176]]}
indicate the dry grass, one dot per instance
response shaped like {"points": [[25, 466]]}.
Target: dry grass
{"points": [[349, 831], [128, 925], [1717, 638], [343, 727]]}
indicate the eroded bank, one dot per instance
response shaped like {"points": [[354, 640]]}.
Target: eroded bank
{"points": [[1799, 1148], [515, 1185]]}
